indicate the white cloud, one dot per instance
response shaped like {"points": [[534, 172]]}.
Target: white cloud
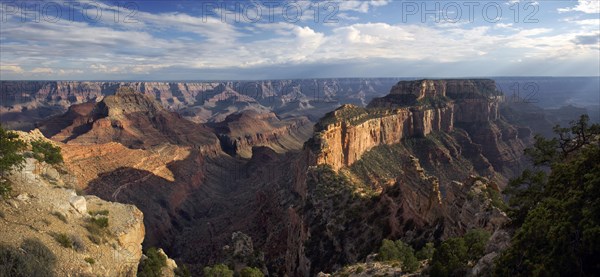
{"points": [[585, 6], [11, 68], [42, 70], [69, 48], [588, 22]]}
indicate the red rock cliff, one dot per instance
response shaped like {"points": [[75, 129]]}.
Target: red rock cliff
{"points": [[412, 109]]}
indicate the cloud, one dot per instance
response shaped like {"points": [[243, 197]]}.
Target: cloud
{"points": [[43, 70], [588, 22], [11, 68], [585, 6], [149, 48], [588, 40]]}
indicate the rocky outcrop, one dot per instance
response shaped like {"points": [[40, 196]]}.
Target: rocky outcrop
{"points": [[346, 139], [132, 119], [416, 109], [240, 132], [45, 209]]}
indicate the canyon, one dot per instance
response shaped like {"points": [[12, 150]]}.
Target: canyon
{"points": [[425, 162], [24, 103]]}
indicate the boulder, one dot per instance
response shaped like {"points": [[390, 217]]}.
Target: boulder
{"points": [[79, 203]]}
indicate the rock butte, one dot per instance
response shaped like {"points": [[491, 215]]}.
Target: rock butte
{"points": [[351, 131]]}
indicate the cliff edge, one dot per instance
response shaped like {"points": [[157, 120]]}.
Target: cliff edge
{"points": [[416, 109], [47, 223]]}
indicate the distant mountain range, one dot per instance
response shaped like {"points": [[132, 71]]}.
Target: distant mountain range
{"points": [[26, 102]]}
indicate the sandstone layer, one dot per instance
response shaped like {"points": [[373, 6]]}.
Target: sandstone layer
{"points": [[415, 109], [240, 132]]}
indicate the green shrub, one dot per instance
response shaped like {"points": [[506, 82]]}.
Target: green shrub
{"points": [[45, 151], [35, 259], [101, 222], [496, 198], [556, 214], [251, 272], [219, 270], [407, 257], [5, 189], [10, 153], [399, 251], [94, 230], [90, 260], [359, 270], [450, 258], [388, 251], [476, 240], [182, 271], [426, 253], [153, 264], [100, 212], [63, 239], [97, 229]]}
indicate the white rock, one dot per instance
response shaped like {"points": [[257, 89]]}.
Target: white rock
{"points": [[23, 197], [79, 203]]}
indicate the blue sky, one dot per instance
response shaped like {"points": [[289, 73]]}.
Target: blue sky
{"points": [[216, 40]]}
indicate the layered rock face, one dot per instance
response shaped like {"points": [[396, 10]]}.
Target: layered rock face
{"points": [[130, 118], [344, 142], [27, 102], [415, 109], [240, 132]]}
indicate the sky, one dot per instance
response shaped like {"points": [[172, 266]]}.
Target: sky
{"points": [[274, 39]]}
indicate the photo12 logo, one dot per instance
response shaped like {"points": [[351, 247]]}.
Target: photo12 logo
{"points": [[126, 12], [52, 12], [470, 11], [271, 11]]}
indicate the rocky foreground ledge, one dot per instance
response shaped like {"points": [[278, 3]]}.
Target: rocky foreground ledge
{"points": [[48, 223]]}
